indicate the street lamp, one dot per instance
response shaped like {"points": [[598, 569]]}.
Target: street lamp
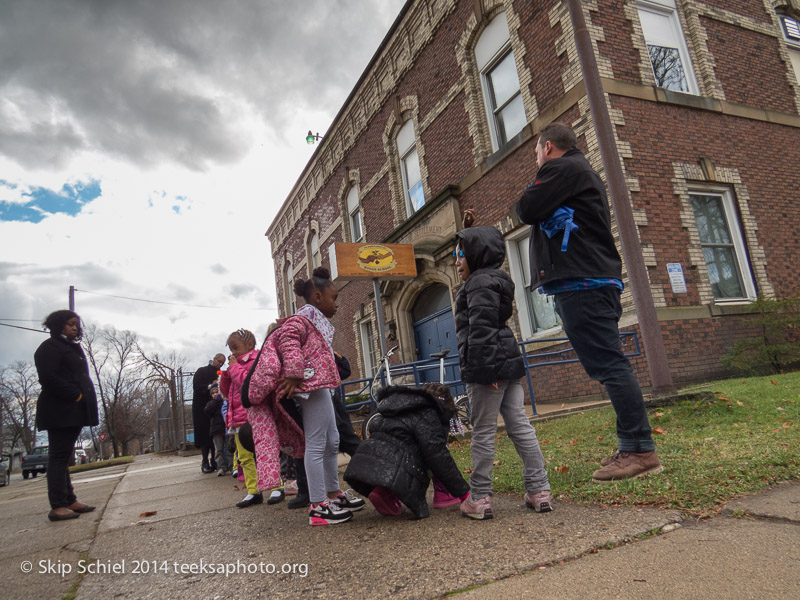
{"points": [[311, 138]]}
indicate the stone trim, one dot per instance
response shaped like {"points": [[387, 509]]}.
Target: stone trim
{"points": [[351, 179]]}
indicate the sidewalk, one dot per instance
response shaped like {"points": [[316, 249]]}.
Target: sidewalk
{"points": [[194, 527]]}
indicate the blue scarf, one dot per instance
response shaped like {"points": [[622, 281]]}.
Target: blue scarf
{"points": [[560, 219]]}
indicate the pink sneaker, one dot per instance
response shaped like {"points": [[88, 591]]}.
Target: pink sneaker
{"points": [[385, 502], [441, 497], [539, 501], [477, 509]]}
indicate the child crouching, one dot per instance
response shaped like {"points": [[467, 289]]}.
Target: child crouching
{"points": [[408, 438]]}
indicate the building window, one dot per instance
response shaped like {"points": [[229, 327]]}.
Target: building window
{"points": [[354, 212], [723, 245], [500, 82], [291, 301], [666, 46], [791, 33], [316, 257], [537, 312], [409, 165], [368, 348]]}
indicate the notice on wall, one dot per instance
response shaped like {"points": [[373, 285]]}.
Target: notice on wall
{"points": [[376, 261], [676, 278]]}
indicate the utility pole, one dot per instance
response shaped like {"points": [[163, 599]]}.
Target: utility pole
{"points": [[72, 298], [655, 351]]}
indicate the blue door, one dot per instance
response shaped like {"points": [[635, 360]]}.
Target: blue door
{"points": [[433, 334]]}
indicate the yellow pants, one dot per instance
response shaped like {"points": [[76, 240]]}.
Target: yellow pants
{"points": [[248, 461]]}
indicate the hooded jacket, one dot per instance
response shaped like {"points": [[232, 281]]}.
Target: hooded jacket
{"points": [[487, 349], [67, 398], [569, 181], [409, 437]]}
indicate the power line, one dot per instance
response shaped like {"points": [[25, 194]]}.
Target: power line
{"points": [[169, 303], [26, 328]]}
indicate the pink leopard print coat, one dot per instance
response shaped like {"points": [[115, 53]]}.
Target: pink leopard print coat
{"points": [[295, 349]]}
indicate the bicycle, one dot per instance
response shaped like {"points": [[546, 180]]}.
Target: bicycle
{"points": [[463, 408]]}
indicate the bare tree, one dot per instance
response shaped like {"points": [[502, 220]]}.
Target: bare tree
{"points": [[19, 388], [114, 357], [167, 370]]}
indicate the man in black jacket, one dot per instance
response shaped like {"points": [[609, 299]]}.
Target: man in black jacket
{"points": [[582, 269]]}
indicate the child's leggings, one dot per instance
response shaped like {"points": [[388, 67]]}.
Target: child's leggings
{"points": [[322, 444], [248, 461], [507, 400]]}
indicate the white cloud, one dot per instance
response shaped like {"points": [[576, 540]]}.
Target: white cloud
{"points": [[201, 106]]}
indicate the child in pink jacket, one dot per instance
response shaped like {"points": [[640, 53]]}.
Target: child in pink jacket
{"points": [[297, 361], [242, 344]]}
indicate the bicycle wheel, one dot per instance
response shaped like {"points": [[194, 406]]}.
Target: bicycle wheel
{"points": [[464, 410], [368, 423]]}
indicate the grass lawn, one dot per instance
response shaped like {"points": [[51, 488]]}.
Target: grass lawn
{"points": [[122, 460], [743, 441]]}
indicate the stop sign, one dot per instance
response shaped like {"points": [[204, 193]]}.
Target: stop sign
{"points": [[103, 436]]}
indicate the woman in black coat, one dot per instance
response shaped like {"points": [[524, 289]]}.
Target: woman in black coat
{"points": [[408, 438], [66, 404]]}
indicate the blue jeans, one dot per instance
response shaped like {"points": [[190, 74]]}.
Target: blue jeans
{"points": [[591, 322]]}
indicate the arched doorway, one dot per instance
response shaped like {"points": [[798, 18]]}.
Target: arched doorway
{"points": [[434, 329]]}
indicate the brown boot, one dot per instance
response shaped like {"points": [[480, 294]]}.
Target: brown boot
{"points": [[609, 459], [628, 465]]}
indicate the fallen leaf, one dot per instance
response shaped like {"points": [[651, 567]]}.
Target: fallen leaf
{"points": [[148, 513], [787, 424], [740, 403], [723, 399], [697, 451], [467, 470], [742, 382], [573, 442], [773, 382], [600, 437], [659, 430], [710, 439], [780, 408], [561, 469], [658, 415], [495, 463], [545, 441]]}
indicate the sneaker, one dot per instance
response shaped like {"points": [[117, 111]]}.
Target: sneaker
{"points": [[385, 502], [290, 488], [629, 465], [221, 472], [299, 501], [250, 500], [609, 459], [275, 497], [441, 497], [348, 501], [477, 509], [539, 501], [235, 473], [327, 513]]}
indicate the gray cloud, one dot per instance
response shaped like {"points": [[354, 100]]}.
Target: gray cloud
{"points": [[167, 81]]}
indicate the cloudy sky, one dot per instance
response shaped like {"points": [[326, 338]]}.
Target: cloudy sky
{"points": [[145, 147]]}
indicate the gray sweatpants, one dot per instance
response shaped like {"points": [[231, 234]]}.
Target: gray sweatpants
{"points": [[507, 400], [322, 444]]}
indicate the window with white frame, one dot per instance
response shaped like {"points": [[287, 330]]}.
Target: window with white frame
{"points": [[409, 165], [666, 46], [354, 213], [368, 348], [723, 246], [537, 312], [316, 257], [791, 33], [500, 82], [291, 302]]}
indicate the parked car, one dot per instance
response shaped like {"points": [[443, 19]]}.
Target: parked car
{"points": [[35, 462], [5, 470], [80, 456]]}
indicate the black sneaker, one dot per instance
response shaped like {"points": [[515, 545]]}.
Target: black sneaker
{"points": [[327, 513], [299, 501], [349, 501]]}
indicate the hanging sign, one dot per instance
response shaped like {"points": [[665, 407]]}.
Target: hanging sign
{"points": [[371, 261]]}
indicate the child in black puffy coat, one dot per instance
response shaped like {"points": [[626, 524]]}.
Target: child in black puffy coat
{"points": [[409, 438]]}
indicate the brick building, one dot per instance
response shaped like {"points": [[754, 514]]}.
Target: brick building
{"points": [[704, 97]]}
